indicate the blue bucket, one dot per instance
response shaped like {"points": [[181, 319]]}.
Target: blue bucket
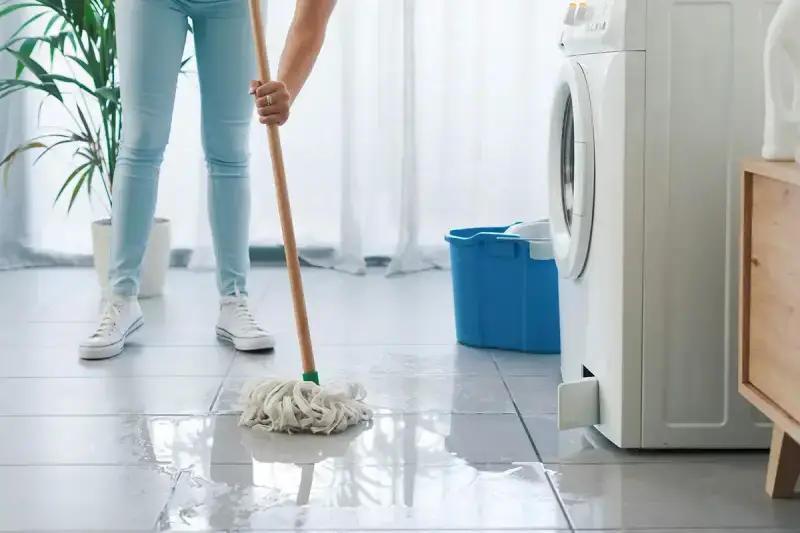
{"points": [[505, 288]]}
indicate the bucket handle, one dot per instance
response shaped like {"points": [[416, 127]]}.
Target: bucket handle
{"points": [[542, 252]]}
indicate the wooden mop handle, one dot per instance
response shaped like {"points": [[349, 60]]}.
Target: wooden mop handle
{"points": [[284, 209]]}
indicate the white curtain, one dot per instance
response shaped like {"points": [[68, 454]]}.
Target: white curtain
{"points": [[13, 222], [421, 116]]}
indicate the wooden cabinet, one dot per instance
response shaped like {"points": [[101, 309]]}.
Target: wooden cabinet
{"points": [[769, 343]]}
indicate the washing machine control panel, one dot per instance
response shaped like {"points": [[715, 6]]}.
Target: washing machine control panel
{"points": [[595, 26], [591, 15]]}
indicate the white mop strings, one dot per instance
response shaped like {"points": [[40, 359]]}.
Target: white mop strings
{"points": [[302, 406]]}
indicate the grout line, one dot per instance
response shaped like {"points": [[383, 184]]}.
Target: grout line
{"points": [[210, 344], [535, 449], [235, 356], [195, 414], [353, 463], [121, 376], [216, 397], [394, 414], [165, 508]]}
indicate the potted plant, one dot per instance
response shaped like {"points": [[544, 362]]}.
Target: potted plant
{"points": [[82, 33]]}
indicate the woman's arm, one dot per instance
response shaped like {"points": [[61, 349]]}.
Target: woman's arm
{"points": [[303, 44]]}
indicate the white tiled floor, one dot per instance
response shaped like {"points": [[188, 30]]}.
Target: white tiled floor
{"points": [[463, 439]]}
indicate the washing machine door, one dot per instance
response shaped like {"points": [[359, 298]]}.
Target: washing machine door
{"points": [[571, 173]]}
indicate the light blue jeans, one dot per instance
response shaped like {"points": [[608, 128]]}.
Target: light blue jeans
{"points": [[151, 35]]}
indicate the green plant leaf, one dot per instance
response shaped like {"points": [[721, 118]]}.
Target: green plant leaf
{"points": [[12, 85], [8, 160], [39, 72], [54, 145], [65, 79], [82, 62], [89, 183], [84, 33], [88, 154], [14, 7], [26, 24], [87, 129], [108, 94], [55, 18], [77, 188], [71, 37], [25, 50], [55, 42], [69, 179], [77, 11], [6, 91], [90, 19], [55, 5], [185, 62]]}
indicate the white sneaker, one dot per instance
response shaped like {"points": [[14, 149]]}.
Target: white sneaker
{"points": [[237, 326], [121, 317]]}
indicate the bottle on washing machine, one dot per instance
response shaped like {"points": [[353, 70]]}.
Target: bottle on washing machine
{"points": [[782, 52]]}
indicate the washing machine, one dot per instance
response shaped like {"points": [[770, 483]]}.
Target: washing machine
{"points": [[658, 102]]}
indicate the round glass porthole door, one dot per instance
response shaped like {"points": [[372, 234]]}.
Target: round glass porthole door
{"points": [[571, 173], [568, 164]]}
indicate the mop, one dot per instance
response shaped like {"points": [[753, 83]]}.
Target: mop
{"points": [[295, 406]]}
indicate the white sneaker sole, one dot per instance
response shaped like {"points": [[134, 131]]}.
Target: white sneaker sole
{"points": [[246, 344], [97, 353]]}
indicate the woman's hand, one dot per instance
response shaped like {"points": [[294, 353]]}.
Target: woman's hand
{"points": [[272, 101]]}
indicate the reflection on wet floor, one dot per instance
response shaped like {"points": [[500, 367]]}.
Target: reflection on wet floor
{"points": [[463, 439], [397, 471]]}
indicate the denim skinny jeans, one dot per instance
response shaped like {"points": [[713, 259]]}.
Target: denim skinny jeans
{"points": [[151, 35]]}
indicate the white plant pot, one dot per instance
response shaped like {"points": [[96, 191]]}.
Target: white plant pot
{"points": [[156, 257]]}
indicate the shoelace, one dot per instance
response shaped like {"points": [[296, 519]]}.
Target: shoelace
{"points": [[244, 318], [110, 319]]}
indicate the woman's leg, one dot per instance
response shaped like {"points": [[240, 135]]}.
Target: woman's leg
{"points": [[151, 35], [226, 64]]}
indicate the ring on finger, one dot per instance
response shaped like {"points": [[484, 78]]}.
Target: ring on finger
{"points": [[269, 99]]}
